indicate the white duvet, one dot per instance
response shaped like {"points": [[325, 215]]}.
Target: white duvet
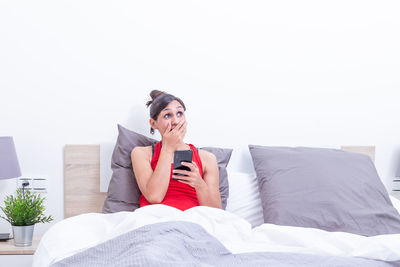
{"points": [[78, 233]]}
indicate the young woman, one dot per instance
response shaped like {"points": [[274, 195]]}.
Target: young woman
{"points": [[153, 166]]}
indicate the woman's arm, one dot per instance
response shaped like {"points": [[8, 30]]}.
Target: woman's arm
{"points": [[207, 189], [153, 185], [209, 195]]}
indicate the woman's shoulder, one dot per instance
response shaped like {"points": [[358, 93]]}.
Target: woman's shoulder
{"points": [[208, 160], [141, 150], [206, 155]]}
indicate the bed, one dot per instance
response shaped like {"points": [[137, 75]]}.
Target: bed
{"points": [[267, 218]]}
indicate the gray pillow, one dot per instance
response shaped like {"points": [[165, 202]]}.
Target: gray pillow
{"points": [[123, 191], [323, 188], [223, 156]]}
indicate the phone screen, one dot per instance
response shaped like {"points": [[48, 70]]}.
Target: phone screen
{"points": [[182, 155]]}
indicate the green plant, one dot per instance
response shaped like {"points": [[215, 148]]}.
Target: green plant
{"points": [[24, 209]]}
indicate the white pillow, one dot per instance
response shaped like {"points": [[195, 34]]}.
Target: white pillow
{"points": [[244, 197], [396, 203]]}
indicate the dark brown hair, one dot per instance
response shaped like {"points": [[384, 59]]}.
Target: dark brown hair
{"points": [[159, 100]]}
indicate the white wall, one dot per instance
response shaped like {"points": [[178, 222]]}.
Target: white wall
{"points": [[296, 73]]}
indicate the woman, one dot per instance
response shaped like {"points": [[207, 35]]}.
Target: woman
{"points": [[153, 165]]}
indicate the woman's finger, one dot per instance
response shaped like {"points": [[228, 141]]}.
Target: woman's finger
{"points": [[185, 182], [184, 172], [178, 177], [178, 126], [182, 124], [191, 165], [168, 128], [184, 129], [182, 178]]}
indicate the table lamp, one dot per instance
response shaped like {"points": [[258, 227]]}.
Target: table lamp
{"points": [[9, 167]]}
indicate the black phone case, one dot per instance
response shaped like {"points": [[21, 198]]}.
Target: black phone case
{"points": [[182, 155]]}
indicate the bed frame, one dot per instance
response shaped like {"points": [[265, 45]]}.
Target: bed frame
{"points": [[82, 177], [82, 180]]}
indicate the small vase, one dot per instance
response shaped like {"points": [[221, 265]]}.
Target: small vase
{"points": [[23, 235]]}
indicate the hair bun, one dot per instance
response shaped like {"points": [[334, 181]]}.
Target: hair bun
{"points": [[154, 94]]}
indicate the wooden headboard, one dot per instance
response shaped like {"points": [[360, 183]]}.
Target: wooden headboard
{"points": [[367, 150], [82, 177], [82, 180]]}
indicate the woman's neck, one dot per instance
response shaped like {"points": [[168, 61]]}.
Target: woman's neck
{"points": [[182, 146]]}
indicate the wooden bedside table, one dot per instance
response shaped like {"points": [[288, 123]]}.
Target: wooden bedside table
{"points": [[11, 255], [8, 248]]}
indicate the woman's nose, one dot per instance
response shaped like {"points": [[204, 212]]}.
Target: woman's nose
{"points": [[174, 120]]}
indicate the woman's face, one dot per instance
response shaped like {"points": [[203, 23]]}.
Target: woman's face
{"points": [[171, 114]]}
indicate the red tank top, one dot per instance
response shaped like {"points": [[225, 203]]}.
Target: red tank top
{"points": [[179, 195]]}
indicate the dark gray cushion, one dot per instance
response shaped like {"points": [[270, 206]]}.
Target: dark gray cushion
{"points": [[323, 188], [123, 191]]}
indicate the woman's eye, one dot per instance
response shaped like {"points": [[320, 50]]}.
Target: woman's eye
{"points": [[168, 115]]}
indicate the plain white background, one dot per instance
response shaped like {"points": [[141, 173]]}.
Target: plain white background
{"points": [[290, 73]]}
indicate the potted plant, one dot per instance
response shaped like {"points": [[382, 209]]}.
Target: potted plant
{"points": [[23, 212]]}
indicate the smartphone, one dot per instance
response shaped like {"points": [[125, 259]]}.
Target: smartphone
{"points": [[179, 156]]}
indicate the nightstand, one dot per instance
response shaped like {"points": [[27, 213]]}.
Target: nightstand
{"points": [[11, 255]]}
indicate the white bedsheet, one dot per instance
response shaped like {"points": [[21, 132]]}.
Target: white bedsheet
{"points": [[77, 233]]}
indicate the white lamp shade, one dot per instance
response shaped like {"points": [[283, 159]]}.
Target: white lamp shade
{"points": [[9, 167]]}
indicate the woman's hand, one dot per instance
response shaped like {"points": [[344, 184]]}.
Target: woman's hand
{"points": [[171, 139], [193, 177]]}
